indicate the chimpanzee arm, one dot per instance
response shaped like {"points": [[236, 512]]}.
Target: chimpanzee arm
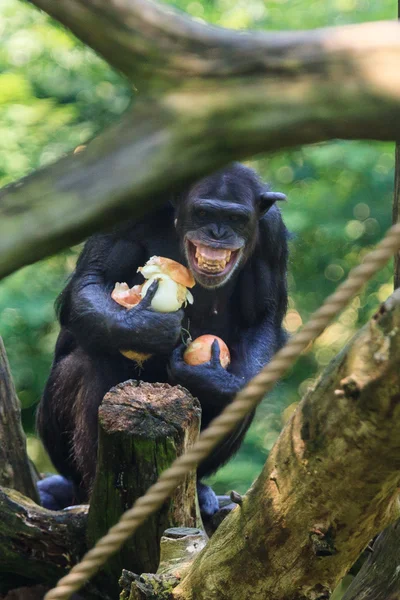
{"points": [[100, 323], [216, 387]]}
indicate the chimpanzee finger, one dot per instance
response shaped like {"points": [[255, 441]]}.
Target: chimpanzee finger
{"points": [[215, 352], [151, 292]]}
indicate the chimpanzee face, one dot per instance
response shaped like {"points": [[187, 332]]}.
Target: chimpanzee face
{"points": [[217, 222], [219, 235]]}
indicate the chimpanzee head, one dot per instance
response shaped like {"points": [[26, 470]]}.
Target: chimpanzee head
{"points": [[217, 222]]}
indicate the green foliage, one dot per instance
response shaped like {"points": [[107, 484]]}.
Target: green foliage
{"points": [[55, 94]]}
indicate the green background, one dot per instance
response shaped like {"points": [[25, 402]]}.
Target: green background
{"points": [[56, 94]]}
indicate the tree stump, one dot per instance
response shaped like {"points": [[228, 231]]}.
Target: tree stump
{"points": [[179, 546], [143, 427]]}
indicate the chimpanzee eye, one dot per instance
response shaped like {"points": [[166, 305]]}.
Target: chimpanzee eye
{"points": [[201, 213]]}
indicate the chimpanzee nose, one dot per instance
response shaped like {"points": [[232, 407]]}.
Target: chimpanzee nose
{"points": [[216, 231]]}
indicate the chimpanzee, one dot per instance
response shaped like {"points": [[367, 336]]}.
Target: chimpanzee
{"points": [[228, 231]]}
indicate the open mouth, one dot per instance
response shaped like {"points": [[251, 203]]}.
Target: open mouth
{"points": [[210, 261]]}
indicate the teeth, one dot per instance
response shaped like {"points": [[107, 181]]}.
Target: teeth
{"points": [[213, 260]]}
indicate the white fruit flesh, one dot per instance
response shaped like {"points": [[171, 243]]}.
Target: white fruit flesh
{"points": [[169, 296]]}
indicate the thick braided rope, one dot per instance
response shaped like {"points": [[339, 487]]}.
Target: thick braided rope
{"points": [[245, 401]]}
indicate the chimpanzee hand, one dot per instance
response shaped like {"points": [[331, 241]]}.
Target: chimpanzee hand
{"points": [[151, 331], [208, 380]]}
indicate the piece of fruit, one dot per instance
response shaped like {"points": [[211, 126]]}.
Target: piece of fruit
{"points": [[173, 281], [199, 351], [126, 296]]}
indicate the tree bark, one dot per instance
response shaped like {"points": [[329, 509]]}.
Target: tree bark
{"points": [[179, 547], [37, 545], [15, 468], [273, 91], [329, 485], [143, 427], [396, 213], [379, 577]]}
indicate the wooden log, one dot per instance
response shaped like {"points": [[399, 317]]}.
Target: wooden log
{"points": [[143, 427], [15, 468], [37, 546]]}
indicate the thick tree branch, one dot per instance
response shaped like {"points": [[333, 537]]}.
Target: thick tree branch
{"points": [[329, 485], [155, 45], [342, 82], [15, 469], [37, 545]]}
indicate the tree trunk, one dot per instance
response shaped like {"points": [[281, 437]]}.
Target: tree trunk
{"points": [[15, 468], [329, 485], [143, 427]]}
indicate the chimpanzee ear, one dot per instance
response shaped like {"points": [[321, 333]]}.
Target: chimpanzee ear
{"points": [[268, 199]]}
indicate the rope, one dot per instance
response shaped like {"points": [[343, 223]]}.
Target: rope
{"points": [[244, 402]]}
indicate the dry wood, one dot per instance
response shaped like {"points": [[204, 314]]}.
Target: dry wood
{"points": [[143, 427], [330, 483], [15, 468]]}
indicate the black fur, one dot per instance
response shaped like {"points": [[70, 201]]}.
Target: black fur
{"points": [[227, 209]]}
